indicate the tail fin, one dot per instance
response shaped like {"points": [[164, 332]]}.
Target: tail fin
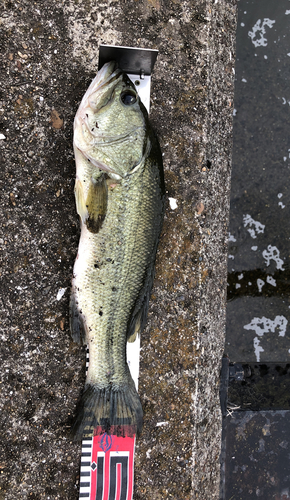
{"points": [[116, 411]]}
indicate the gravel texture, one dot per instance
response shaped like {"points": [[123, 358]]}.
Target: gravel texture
{"points": [[49, 52]]}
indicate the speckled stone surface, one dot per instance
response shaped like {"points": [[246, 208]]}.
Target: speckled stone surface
{"points": [[49, 53]]}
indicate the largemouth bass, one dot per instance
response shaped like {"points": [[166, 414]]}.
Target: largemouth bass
{"points": [[119, 193]]}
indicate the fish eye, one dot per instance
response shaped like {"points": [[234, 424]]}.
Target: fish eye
{"points": [[128, 97]]}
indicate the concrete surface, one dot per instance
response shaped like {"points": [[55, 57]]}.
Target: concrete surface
{"points": [[49, 51]]}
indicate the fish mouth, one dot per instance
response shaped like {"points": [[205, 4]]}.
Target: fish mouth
{"points": [[109, 73]]}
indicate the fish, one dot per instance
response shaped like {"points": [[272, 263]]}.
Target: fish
{"points": [[119, 193]]}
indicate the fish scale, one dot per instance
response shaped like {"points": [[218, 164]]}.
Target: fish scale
{"points": [[121, 210]]}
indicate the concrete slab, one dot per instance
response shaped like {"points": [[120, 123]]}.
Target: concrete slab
{"points": [[49, 52]]}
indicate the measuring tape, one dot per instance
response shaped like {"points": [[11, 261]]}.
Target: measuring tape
{"points": [[107, 468], [107, 461]]}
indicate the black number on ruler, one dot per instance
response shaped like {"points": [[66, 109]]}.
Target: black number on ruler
{"points": [[113, 478], [100, 478]]}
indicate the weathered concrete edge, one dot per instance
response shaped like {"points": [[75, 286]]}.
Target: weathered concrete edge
{"points": [[220, 57]]}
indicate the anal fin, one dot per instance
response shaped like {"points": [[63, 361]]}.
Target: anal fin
{"points": [[137, 329], [140, 310]]}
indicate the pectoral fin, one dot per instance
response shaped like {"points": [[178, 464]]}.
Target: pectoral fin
{"points": [[80, 201], [96, 203]]}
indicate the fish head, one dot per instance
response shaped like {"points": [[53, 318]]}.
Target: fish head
{"points": [[110, 127]]}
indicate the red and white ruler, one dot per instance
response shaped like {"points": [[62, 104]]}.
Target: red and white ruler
{"points": [[107, 461], [107, 468]]}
